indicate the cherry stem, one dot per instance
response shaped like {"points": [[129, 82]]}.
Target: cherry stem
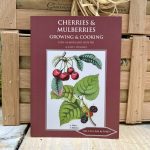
{"points": [[71, 61], [91, 120], [64, 54], [64, 66], [61, 65]]}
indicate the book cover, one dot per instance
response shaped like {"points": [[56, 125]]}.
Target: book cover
{"points": [[75, 76]]}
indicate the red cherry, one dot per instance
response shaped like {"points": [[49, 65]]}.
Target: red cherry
{"points": [[70, 70], [64, 76], [74, 75], [89, 113], [56, 73]]}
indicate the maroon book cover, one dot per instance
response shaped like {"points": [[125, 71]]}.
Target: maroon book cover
{"points": [[75, 76]]}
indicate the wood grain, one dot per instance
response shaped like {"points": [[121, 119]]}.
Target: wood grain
{"points": [[123, 8], [23, 16], [25, 79], [25, 96], [126, 47], [25, 112], [44, 4], [137, 16], [23, 20], [146, 111], [7, 14], [25, 52], [147, 96], [124, 84], [138, 80], [10, 77], [147, 25]]}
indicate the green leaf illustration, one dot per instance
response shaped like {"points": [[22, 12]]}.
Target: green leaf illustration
{"points": [[69, 111], [68, 92], [67, 95], [57, 86], [78, 62], [56, 60], [88, 87], [54, 96], [90, 58]]}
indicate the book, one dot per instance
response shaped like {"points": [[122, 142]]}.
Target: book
{"points": [[75, 76]]}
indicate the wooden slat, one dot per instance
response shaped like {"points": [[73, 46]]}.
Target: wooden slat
{"points": [[125, 19], [25, 112], [10, 77], [25, 79], [146, 111], [7, 14], [123, 110], [137, 16], [125, 48], [123, 96], [23, 19], [137, 80], [25, 63], [24, 43], [126, 64], [148, 49], [45, 4], [25, 96], [23, 16], [147, 80], [124, 83], [147, 96], [147, 25], [123, 8]]}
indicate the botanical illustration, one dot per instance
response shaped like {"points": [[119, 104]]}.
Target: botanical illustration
{"points": [[74, 97]]}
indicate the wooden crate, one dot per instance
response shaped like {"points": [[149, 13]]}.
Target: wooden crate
{"points": [[136, 22], [134, 85]]}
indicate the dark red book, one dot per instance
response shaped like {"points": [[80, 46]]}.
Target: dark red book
{"points": [[75, 76]]}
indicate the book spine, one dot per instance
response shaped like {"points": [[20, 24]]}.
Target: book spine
{"points": [[44, 4]]}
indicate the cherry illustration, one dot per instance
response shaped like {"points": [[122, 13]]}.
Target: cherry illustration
{"points": [[64, 76], [56, 73], [93, 109], [75, 75], [84, 119], [89, 113], [70, 70]]}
